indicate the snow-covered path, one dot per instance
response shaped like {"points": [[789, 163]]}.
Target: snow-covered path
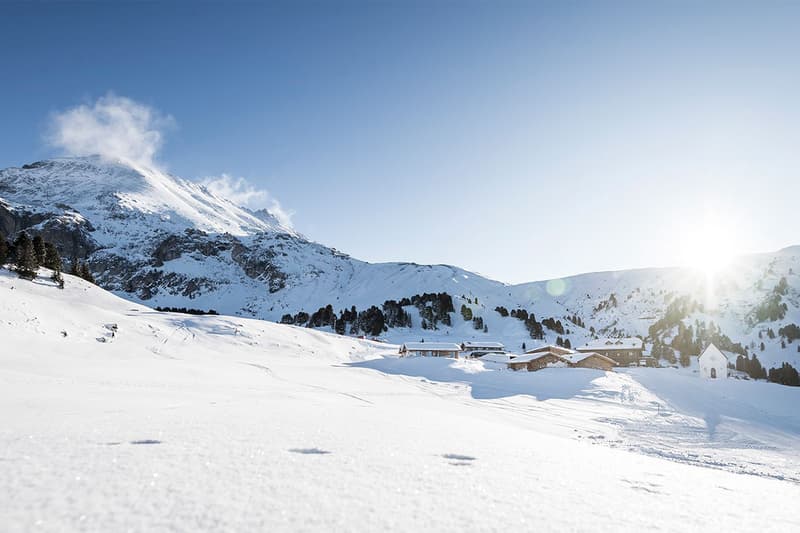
{"points": [[179, 423]]}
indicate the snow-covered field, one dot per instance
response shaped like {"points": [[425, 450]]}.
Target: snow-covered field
{"points": [[180, 423]]}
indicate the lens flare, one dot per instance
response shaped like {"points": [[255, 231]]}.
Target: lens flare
{"points": [[556, 287]]}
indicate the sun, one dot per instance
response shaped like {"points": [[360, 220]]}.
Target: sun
{"points": [[709, 245]]}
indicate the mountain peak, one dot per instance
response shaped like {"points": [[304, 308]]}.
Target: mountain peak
{"points": [[116, 188]]}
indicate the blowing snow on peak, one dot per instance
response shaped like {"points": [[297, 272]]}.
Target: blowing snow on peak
{"points": [[113, 189]]}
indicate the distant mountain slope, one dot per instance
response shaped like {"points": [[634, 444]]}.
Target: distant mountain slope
{"points": [[155, 238]]}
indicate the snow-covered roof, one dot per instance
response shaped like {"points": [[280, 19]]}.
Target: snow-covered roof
{"points": [[713, 352], [479, 344], [550, 348], [577, 357], [497, 357], [525, 358], [631, 343], [431, 346], [571, 357]]}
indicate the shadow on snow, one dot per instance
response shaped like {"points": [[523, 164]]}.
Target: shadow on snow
{"points": [[488, 383]]}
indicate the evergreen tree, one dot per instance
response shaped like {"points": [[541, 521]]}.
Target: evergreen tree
{"points": [[755, 370], [39, 249], [52, 259], [86, 273], [684, 359], [785, 375], [3, 251], [340, 326], [26, 263], [75, 267]]}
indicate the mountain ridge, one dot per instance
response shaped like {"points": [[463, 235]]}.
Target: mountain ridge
{"points": [[165, 241]]}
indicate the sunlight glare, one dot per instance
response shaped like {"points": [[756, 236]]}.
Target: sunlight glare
{"points": [[709, 245]]}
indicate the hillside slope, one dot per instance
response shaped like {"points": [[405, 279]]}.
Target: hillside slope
{"points": [[164, 241], [119, 417]]}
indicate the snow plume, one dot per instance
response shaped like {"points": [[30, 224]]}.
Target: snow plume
{"points": [[242, 193], [113, 127]]}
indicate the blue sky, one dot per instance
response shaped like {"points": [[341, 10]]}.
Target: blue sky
{"points": [[520, 140]]}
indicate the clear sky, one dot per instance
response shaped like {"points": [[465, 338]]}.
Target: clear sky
{"points": [[521, 140]]}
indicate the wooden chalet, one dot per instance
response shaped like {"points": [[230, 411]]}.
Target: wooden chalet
{"points": [[625, 352], [430, 349], [563, 357], [479, 348]]}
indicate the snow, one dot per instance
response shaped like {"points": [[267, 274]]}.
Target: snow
{"points": [[497, 357], [483, 344], [136, 209], [577, 357], [92, 185], [432, 346], [528, 357], [186, 423], [550, 348], [612, 344]]}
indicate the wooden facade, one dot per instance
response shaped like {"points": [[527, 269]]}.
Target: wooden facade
{"points": [[477, 349], [546, 360], [430, 349], [517, 365], [559, 350], [595, 361], [537, 361], [625, 352]]}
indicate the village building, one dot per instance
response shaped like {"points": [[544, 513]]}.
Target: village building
{"points": [[591, 360], [430, 349], [497, 357], [534, 361], [552, 349], [563, 357], [478, 348], [625, 352], [713, 363]]}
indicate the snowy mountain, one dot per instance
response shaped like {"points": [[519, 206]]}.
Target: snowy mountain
{"points": [[161, 240], [118, 417]]}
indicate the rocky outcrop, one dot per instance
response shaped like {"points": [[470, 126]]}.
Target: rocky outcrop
{"points": [[68, 231]]}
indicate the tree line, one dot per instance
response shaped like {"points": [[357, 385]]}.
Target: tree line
{"points": [[434, 308], [186, 310]]}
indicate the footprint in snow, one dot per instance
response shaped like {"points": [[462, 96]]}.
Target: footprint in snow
{"points": [[458, 459], [309, 451]]}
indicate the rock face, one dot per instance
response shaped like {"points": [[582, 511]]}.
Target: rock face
{"points": [[133, 224]]}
